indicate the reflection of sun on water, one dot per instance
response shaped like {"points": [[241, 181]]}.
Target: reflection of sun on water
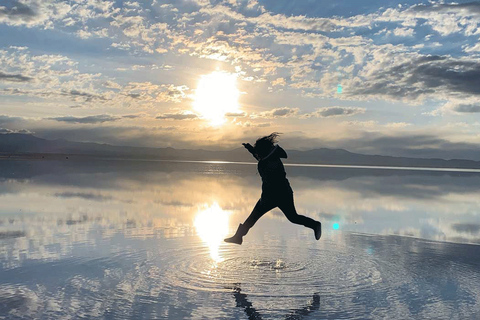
{"points": [[212, 227], [217, 95]]}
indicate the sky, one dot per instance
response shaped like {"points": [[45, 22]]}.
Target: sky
{"points": [[375, 77]]}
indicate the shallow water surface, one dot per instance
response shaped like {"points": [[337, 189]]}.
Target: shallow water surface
{"points": [[144, 240]]}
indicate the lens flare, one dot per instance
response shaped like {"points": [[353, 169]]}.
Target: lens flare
{"points": [[336, 226], [211, 224]]}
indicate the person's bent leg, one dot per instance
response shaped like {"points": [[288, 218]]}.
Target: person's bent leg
{"points": [[288, 208], [258, 211]]}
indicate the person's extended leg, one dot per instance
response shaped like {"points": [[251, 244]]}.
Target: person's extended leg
{"points": [[258, 211], [288, 208]]}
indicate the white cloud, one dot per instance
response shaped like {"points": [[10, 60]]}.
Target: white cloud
{"points": [[370, 124], [277, 112], [397, 125], [111, 84], [403, 32], [327, 112], [83, 34], [177, 116], [414, 77], [101, 118], [32, 13], [299, 57], [466, 107], [474, 48], [279, 82]]}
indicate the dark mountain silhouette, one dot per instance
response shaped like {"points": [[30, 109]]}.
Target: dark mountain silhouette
{"points": [[25, 145]]}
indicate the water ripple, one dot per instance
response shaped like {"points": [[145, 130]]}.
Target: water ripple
{"points": [[266, 267]]}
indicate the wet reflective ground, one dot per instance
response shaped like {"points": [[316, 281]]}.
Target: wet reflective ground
{"points": [[143, 240]]}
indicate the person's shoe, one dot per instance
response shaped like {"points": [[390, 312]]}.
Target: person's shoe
{"points": [[235, 239], [238, 236], [318, 230]]}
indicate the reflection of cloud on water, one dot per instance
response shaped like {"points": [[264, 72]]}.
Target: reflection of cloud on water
{"points": [[126, 292], [440, 230], [11, 234], [459, 230], [18, 301], [425, 231], [124, 244], [375, 210], [357, 277], [48, 238], [55, 211], [425, 280], [87, 196], [471, 228]]}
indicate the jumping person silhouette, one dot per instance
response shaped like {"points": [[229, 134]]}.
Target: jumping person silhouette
{"points": [[276, 190]]}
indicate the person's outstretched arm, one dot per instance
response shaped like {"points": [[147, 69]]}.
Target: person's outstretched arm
{"points": [[249, 147]]}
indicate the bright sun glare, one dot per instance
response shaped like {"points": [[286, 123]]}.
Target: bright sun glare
{"points": [[217, 95], [212, 227]]}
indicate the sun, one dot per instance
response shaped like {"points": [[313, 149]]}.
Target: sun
{"points": [[216, 95]]}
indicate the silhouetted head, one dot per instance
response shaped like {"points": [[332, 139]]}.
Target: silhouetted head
{"points": [[264, 145]]}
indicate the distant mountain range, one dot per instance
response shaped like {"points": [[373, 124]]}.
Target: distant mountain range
{"points": [[29, 146]]}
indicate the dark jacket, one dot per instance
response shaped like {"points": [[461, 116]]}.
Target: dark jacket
{"points": [[271, 169]]}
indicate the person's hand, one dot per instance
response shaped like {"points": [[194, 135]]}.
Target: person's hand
{"points": [[247, 146]]}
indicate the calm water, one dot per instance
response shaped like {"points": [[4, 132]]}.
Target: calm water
{"points": [[143, 240]]}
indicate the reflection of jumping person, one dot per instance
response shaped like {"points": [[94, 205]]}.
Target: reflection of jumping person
{"points": [[253, 314], [276, 190]]}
